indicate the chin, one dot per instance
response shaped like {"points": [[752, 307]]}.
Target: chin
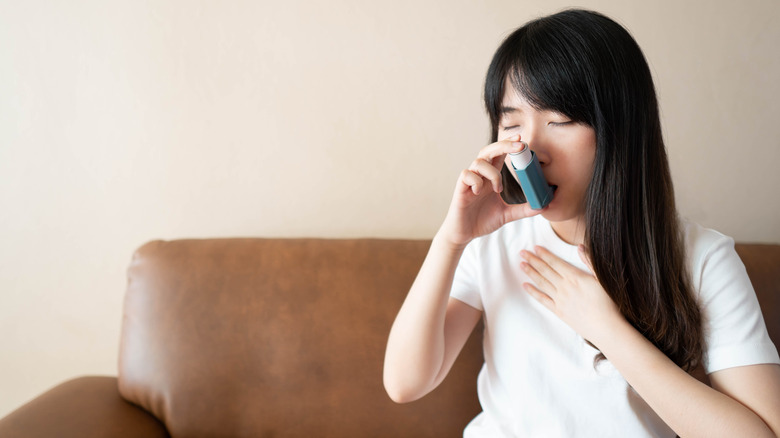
{"points": [[554, 213]]}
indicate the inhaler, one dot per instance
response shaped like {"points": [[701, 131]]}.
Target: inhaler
{"points": [[537, 192]]}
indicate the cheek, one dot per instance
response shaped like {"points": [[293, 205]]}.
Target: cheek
{"points": [[579, 179], [578, 172], [582, 160], [584, 172], [589, 163]]}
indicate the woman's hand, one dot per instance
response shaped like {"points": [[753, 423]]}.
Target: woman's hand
{"points": [[574, 295], [477, 207]]}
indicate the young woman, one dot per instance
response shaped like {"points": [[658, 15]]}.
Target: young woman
{"points": [[597, 307]]}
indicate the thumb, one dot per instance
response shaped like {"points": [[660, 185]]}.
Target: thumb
{"points": [[519, 211]]}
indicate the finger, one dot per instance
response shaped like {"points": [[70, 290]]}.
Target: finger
{"points": [[540, 296], [519, 211], [494, 153], [560, 266], [541, 265], [542, 283], [487, 171], [471, 181]]}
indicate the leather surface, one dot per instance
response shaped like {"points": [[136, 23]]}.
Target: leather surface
{"points": [[282, 338], [762, 263], [285, 338], [276, 338], [85, 407]]}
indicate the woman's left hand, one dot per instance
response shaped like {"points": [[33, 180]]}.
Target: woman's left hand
{"points": [[574, 295]]}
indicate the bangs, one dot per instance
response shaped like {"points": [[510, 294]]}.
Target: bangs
{"points": [[545, 68]]}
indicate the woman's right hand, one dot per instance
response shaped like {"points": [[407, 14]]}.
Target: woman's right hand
{"points": [[432, 327], [477, 207]]}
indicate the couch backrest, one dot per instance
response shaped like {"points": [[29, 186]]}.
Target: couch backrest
{"points": [[282, 338], [286, 337], [762, 262]]}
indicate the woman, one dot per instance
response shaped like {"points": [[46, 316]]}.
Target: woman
{"points": [[598, 306]]}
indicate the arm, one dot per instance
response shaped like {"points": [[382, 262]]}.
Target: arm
{"points": [[744, 401], [431, 328]]}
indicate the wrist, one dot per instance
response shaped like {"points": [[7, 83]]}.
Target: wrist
{"points": [[446, 242], [614, 335]]}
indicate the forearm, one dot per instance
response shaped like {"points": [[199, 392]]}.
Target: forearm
{"points": [[689, 407], [416, 345]]}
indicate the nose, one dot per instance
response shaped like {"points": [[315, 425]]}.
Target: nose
{"points": [[543, 158], [537, 145]]}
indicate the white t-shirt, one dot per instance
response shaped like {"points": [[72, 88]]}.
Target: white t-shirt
{"points": [[539, 379]]}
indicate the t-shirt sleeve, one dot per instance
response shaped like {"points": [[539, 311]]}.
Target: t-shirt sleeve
{"points": [[734, 330], [465, 284]]}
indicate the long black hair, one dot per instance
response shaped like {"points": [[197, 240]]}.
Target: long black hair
{"points": [[583, 64]]}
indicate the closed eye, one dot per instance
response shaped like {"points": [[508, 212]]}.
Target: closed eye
{"points": [[561, 123], [509, 128]]}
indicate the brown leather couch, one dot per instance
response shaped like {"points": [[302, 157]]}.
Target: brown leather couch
{"points": [[275, 338]]}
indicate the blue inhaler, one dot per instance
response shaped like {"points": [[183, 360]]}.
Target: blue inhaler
{"points": [[537, 192]]}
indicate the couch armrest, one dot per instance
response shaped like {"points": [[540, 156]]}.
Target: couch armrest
{"points": [[83, 407]]}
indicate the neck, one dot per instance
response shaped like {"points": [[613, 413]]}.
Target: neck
{"points": [[571, 231]]}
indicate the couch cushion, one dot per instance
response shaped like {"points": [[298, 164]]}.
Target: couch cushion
{"points": [[83, 407], [278, 337]]}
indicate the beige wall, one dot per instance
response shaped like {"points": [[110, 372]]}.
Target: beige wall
{"points": [[126, 121]]}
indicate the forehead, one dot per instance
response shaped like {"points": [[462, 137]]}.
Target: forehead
{"points": [[514, 103], [512, 98]]}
